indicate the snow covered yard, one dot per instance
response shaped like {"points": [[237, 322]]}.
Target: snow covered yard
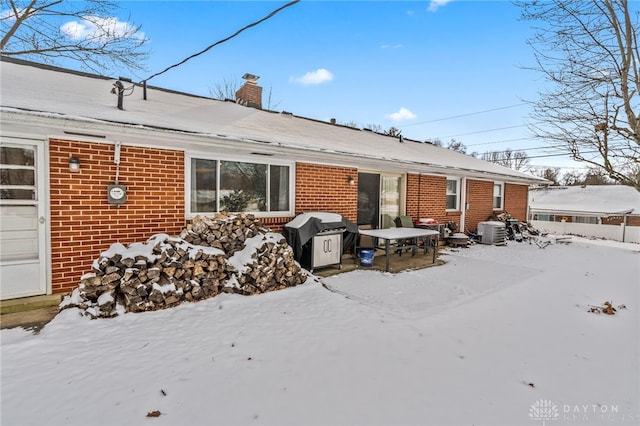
{"points": [[497, 336]]}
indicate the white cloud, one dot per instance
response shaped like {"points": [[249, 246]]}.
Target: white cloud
{"points": [[98, 28], [318, 76], [401, 115], [391, 46], [435, 4]]}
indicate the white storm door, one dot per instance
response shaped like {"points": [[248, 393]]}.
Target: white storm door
{"points": [[389, 200], [22, 228]]}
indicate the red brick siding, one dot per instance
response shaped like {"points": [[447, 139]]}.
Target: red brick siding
{"points": [[480, 203], [326, 188], [83, 223], [617, 220], [515, 201], [427, 197]]}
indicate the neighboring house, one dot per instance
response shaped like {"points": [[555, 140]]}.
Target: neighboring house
{"points": [[604, 211], [79, 173]]}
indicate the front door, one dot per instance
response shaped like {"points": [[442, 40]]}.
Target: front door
{"points": [[22, 228]]}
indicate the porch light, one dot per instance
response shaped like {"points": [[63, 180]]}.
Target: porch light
{"points": [[351, 180], [74, 164]]}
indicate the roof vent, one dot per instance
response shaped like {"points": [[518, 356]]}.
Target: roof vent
{"points": [[118, 89]]}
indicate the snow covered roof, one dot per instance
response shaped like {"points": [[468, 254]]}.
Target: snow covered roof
{"points": [[35, 95], [600, 200]]}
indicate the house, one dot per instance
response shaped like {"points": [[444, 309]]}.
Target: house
{"points": [[88, 160], [603, 211]]}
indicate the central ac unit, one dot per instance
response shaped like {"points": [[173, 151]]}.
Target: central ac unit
{"points": [[492, 232]]}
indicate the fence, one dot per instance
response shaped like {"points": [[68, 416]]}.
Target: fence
{"points": [[627, 234]]}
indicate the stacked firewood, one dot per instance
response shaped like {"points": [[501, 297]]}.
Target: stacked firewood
{"points": [[166, 271], [273, 268], [223, 231]]}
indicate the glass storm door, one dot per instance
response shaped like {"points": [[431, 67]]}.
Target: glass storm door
{"points": [[389, 200], [22, 228], [378, 199], [368, 199]]}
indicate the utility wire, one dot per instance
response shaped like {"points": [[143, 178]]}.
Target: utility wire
{"points": [[291, 3], [501, 141], [465, 115], [482, 131]]}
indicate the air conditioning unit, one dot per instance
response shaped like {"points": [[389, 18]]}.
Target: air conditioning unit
{"points": [[492, 232]]}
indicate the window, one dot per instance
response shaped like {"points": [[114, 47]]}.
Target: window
{"points": [[585, 219], [238, 186], [453, 193], [498, 195]]}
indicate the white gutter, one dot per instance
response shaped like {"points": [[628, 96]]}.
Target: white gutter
{"points": [[205, 140]]}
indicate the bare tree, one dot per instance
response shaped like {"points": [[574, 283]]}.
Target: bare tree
{"points": [[571, 178], [453, 145], [393, 132], [457, 146], [271, 105], [588, 52], [596, 176], [550, 173], [375, 128], [83, 31], [224, 90], [593, 176], [516, 160]]}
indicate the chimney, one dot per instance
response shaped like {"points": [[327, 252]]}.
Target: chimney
{"points": [[250, 94]]}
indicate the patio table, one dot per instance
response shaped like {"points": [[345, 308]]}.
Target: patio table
{"points": [[399, 234]]}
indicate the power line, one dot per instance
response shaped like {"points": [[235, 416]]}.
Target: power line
{"points": [[466, 115], [482, 131], [502, 141], [559, 167], [291, 3]]}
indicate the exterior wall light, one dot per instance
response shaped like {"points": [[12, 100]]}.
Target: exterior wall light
{"points": [[351, 180], [74, 164]]}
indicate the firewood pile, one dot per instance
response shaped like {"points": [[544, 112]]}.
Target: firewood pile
{"points": [[231, 254], [274, 267], [223, 231]]}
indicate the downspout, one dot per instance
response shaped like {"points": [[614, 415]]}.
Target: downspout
{"points": [[463, 203], [624, 226], [419, 194]]}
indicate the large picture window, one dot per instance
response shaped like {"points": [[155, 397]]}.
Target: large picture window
{"points": [[238, 186], [453, 191]]}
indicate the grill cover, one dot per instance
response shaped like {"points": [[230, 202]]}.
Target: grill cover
{"points": [[305, 226]]}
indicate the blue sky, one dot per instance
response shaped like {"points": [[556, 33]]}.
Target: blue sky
{"points": [[411, 65]]}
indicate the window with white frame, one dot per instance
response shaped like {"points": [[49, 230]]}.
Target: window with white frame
{"points": [[238, 186], [453, 193], [498, 196], [586, 219]]}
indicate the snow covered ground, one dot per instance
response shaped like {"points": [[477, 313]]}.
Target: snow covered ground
{"points": [[496, 336]]}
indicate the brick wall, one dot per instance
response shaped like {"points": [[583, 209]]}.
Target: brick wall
{"points": [[633, 220], [83, 223], [427, 198], [326, 188], [480, 202], [516, 198]]}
